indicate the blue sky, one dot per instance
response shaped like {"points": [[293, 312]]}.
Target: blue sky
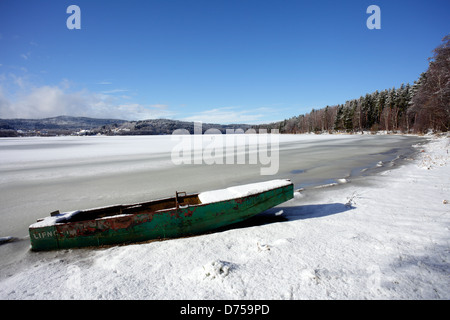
{"points": [[220, 61]]}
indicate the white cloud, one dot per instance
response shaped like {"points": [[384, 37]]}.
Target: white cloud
{"points": [[228, 115], [50, 101], [20, 98], [18, 80], [141, 112], [42, 102], [114, 91]]}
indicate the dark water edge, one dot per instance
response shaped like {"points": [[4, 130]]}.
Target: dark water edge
{"points": [[362, 166]]}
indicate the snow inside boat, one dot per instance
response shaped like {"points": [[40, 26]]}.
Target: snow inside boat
{"points": [[182, 215]]}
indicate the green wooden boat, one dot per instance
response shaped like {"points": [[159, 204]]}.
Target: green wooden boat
{"points": [[182, 215]]}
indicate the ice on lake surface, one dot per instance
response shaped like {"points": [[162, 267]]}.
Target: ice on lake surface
{"points": [[39, 175]]}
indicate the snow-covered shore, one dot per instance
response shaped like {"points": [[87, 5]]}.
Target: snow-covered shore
{"points": [[379, 237]]}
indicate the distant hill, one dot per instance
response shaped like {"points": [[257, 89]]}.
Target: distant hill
{"points": [[67, 125], [61, 122], [166, 126]]}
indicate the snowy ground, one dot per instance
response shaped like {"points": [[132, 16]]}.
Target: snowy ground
{"points": [[384, 236]]}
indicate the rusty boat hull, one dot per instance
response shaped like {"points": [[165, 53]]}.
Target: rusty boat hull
{"points": [[182, 215]]}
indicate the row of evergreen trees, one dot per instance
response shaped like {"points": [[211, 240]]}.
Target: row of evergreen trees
{"points": [[385, 110], [416, 108]]}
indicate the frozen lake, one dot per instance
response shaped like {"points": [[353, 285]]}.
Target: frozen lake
{"points": [[40, 175]]}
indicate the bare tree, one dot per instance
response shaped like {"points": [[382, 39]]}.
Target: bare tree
{"points": [[431, 102]]}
